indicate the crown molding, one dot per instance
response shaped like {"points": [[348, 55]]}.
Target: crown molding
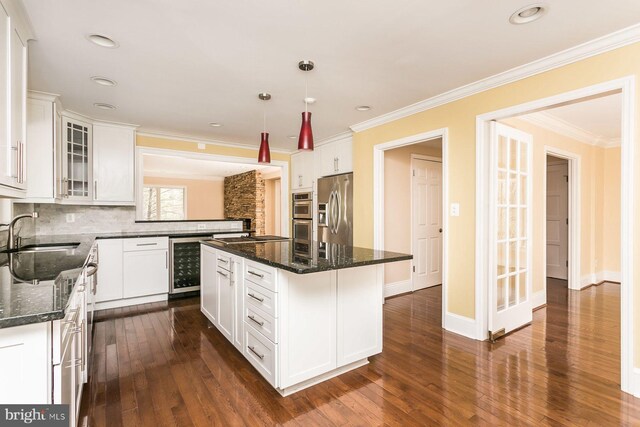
{"points": [[43, 96], [591, 48], [16, 11], [562, 127], [175, 137]]}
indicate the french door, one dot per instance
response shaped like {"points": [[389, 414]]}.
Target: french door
{"points": [[509, 293]]}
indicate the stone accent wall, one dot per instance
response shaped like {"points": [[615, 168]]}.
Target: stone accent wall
{"points": [[244, 198]]}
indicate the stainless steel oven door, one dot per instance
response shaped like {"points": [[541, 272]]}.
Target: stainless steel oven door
{"points": [[303, 209], [303, 230]]}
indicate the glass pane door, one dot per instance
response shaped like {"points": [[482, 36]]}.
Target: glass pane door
{"points": [[77, 168]]}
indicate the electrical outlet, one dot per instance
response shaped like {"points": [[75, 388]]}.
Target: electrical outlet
{"points": [[202, 226], [71, 217], [201, 146]]}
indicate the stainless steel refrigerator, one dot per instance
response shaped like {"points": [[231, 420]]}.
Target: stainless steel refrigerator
{"points": [[335, 209]]}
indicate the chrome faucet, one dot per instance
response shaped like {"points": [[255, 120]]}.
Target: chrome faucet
{"points": [[11, 240]]}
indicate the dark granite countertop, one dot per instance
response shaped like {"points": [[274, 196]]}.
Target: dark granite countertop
{"points": [[35, 287], [332, 257]]}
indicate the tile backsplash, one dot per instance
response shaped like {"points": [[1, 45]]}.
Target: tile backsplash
{"points": [[100, 219]]}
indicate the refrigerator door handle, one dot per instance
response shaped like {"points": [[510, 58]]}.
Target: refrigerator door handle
{"points": [[338, 212]]}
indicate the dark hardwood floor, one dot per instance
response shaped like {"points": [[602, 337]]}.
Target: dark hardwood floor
{"points": [[161, 365]]}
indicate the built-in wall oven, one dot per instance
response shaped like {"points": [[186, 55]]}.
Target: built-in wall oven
{"points": [[302, 220]]}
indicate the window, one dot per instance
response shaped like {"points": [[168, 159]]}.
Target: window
{"points": [[164, 203]]}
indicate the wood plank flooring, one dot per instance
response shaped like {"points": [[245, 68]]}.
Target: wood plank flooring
{"points": [[161, 365]]}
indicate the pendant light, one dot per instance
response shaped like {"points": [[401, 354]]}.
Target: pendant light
{"points": [[305, 140], [264, 155]]}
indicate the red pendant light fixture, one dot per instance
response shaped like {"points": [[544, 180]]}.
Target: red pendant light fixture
{"points": [[305, 140], [264, 155]]}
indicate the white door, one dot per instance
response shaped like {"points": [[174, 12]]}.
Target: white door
{"points": [[109, 286], [426, 218], [558, 220], [5, 102], [208, 287], [510, 209], [18, 108]]}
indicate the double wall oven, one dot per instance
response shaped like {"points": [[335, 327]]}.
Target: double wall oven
{"points": [[302, 222]]}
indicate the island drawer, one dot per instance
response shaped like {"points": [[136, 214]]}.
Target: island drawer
{"points": [[260, 274], [145, 244], [223, 261], [262, 322], [261, 353], [258, 297]]}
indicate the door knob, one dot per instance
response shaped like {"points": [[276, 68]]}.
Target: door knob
{"points": [[440, 230]]}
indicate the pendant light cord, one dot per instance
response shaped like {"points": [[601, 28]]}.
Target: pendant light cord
{"points": [[306, 90]]}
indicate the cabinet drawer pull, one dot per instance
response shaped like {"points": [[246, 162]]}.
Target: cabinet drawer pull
{"points": [[256, 274], [223, 274], [146, 244], [226, 261], [75, 363], [255, 297], [253, 350], [255, 320]]}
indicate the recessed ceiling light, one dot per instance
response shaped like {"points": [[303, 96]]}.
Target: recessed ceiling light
{"points": [[103, 41], [104, 106], [103, 81], [363, 108], [292, 136], [215, 125], [529, 13], [310, 100]]}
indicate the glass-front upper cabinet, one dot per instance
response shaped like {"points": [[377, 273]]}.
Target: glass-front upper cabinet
{"points": [[75, 173]]}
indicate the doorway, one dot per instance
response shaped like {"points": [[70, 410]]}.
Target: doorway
{"points": [[557, 218], [593, 179]]}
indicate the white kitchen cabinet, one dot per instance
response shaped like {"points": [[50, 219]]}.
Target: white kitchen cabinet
{"points": [[113, 163], [75, 165], [334, 158], [25, 363], [110, 273], [41, 129], [13, 85], [208, 286], [302, 171], [146, 272]]}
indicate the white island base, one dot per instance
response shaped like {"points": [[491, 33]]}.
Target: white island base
{"points": [[297, 330]]}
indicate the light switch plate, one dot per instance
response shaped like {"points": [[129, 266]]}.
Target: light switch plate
{"points": [[455, 209], [202, 226]]}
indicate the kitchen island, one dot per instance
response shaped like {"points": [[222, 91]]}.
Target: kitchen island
{"points": [[298, 316]]}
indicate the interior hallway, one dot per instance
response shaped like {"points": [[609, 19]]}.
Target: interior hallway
{"points": [[159, 365]]}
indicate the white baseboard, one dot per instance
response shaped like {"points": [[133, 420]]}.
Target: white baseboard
{"points": [[635, 387], [130, 301], [600, 276], [539, 298], [396, 288], [460, 325]]}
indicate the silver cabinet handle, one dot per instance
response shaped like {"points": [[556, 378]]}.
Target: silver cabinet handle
{"points": [[65, 187], [95, 189], [226, 261], [255, 274], [255, 320], [223, 274], [95, 268], [253, 350], [255, 297], [299, 180], [146, 244], [166, 259]]}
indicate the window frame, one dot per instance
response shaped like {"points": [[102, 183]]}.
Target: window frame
{"points": [[159, 186]]}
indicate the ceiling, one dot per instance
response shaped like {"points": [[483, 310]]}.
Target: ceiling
{"points": [[177, 167], [183, 64], [595, 121]]}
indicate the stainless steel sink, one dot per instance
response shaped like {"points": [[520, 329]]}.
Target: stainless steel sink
{"points": [[48, 248]]}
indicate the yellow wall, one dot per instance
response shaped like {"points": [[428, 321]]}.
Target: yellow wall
{"points": [[596, 232], [397, 206], [460, 119], [205, 198]]}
